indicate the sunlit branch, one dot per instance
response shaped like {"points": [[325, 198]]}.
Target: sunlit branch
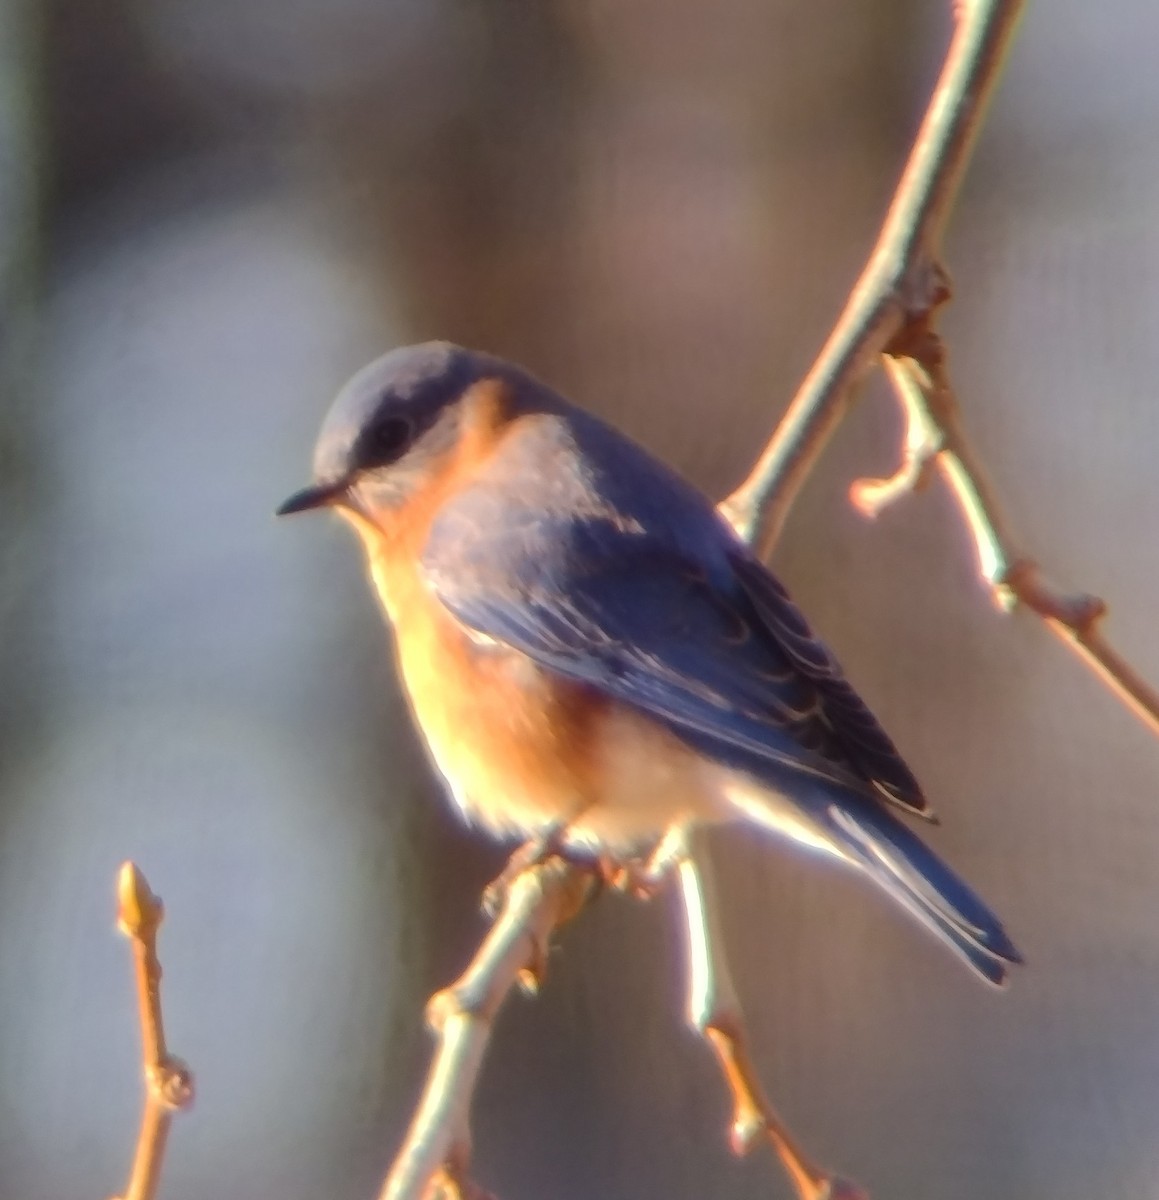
{"points": [[714, 1010], [903, 279], [935, 441], [901, 285], [168, 1081], [435, 1156]]}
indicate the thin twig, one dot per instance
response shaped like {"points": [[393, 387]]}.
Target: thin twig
{"points": [[890, 314], [168, 1081], [434, 1159], [935, 439], [715, 1012], [903, 278]]}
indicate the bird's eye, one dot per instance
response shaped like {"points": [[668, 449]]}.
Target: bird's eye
{"points": [[383, 442]]}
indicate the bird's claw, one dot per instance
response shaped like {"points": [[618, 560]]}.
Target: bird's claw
{"points": [[532, 853], [639, 877]]}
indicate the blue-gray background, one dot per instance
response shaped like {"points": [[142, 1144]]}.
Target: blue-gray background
{"points": [[212, 212]]}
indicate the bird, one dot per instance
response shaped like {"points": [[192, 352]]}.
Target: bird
{"points": [[597, 663]]}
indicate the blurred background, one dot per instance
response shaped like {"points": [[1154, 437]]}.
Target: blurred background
{"points": [[211, 213]]}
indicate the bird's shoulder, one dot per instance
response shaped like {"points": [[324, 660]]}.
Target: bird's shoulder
{"points": [[562, 490]]}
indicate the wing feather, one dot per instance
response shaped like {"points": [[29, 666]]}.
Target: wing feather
{"points": [[663, 612]]}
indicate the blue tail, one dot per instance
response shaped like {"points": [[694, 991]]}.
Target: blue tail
{"points": [[910, 871], [868, 835]]}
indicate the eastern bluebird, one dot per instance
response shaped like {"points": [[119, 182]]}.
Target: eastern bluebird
{"points": [[595, 660]]}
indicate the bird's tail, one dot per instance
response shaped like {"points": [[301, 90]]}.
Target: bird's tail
{"points": [[868, 835]]}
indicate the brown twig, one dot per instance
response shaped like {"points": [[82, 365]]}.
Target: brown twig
{"points": [[903, 278], [935, 440], [715, 1012], [434, 1159], [168, 1081]]}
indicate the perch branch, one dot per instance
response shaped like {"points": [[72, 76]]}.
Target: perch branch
{"points": [[168, 1081], [715, 1012], [902, 280], [901, 285], [935, 441], [434, 1160]]}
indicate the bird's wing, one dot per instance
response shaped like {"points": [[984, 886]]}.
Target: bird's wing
{"points": [[699, 636], [868, 747]]}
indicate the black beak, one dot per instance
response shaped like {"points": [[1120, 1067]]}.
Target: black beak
{"points": [[317, 495]]}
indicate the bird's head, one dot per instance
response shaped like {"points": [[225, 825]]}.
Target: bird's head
{"points": [[390, 426]]}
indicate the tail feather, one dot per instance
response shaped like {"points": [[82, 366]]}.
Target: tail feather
{"points": [[901, 863], [873, 838]]}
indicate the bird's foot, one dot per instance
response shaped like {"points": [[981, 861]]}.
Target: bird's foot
{"points": [[532, 853], [631, 877], [644, 877]]}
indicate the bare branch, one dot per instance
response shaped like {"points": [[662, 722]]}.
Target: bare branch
{"points": [[434, 1159], [902, 280], [168, 1081], [891, 305], [890, 313], [935, 439], [715, 1012]]}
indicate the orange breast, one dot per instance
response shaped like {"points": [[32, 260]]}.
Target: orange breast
{"points": [[511, 740]]}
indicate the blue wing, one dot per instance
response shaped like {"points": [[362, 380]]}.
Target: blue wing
{"points": [[586, 554]]}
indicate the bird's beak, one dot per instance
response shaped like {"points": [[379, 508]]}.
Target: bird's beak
{"points": [[317, 495]]}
